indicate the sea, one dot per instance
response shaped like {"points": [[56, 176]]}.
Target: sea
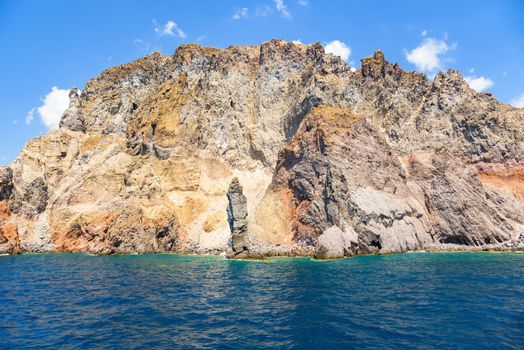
{"points": [[407, 301]]}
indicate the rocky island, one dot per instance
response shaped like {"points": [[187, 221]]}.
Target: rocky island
{"points": [[277, 149]]}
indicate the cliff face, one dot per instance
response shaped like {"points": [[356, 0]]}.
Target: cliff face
{"points": [[328, 161]]}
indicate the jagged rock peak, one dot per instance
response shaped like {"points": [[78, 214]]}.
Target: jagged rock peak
{"points": [[266, 52], [376, 67], [147, 63], [452, 78], [74, 93]]}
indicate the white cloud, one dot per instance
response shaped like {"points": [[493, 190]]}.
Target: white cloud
{"points": [[518, 101], [263, 11], [302, 2], [144, 45], [429, 55], [297, 41], [353, 69], [240, 13], [424, 33], [30, 116], [201, 38], [170, 28], [282, 8], [55, 103], [479, 83], [338, 48]]}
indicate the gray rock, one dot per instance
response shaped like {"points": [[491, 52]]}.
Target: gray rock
{"points": [[335, 243], [33, 200], [6, 183], [72, 118], [237, 218], [36, 195], [405, 162]]}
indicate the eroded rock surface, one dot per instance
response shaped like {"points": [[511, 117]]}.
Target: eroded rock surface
{"points": [[6, 183], [237, 218], [332, 162], [334, 243]]}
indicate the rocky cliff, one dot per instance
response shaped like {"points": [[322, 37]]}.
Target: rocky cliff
{"points": [[277, 149]]}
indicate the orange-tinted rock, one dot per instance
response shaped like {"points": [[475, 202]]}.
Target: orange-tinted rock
{"points": [[378, 160], [508, 177]]}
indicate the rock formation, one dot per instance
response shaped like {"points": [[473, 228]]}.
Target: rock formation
{"points": [[237, 218], [334, 243], [6, 183], [332, 162]]}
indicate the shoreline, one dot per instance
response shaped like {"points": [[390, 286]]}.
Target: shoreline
{"points": [[276, 257]]}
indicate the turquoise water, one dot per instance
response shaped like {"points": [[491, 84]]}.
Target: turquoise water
{"points": [[411, 301]]}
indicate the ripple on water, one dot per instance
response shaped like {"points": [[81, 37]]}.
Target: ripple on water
{"points": [[413, 301]]}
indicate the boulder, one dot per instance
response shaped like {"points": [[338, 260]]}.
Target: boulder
{"points": [[334, 243]]}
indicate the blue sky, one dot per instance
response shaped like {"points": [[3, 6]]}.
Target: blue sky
{"points": [[62, 44]]}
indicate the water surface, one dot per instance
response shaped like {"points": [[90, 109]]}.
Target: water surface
{"points": [[410, 301]]}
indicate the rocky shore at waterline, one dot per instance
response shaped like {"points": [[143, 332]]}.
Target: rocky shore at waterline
{"points": [[269, 150]]}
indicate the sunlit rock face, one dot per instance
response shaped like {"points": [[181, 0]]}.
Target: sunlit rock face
{"points": [[331, 162]]}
